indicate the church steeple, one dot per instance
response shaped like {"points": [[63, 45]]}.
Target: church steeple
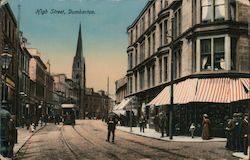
{"points": [[78, 68]]}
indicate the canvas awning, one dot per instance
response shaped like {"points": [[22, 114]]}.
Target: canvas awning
{"points": [[215, 90], [69, 106]]}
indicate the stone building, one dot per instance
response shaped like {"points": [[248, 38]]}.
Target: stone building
{"points": [[210, 51], [9, 44], [37, 73], [121, 89], [97, 104]]}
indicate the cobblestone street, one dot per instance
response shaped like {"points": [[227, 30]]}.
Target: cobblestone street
{"points": [[87, 141]]}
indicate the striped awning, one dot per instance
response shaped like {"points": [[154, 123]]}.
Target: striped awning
{"points": [[214, 90], [184, 92]]}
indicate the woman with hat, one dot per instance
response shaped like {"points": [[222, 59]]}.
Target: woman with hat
{"points": [[205, 127]]}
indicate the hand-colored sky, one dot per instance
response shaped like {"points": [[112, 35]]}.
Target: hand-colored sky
{"points": [[104, 35]]}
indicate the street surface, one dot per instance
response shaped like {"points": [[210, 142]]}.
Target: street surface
{"points": [[86, 141]]}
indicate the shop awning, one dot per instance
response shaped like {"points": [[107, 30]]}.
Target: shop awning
{"points": [[184, 92], [214, 90], [123, 104]]}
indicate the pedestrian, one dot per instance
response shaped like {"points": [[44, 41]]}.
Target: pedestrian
{"points": [[156, 122], [192, 129], [206, 125], [238, 132], [163, 124], [228, 132], [11, 136], [142, 122], [244, 133], [73, 119], [23, 121], [111, 128], [45, 119]]}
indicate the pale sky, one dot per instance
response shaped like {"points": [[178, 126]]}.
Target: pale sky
{"points": [[103, 33]]}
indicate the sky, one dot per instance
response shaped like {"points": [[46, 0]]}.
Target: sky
{"points": [[104, 33]]}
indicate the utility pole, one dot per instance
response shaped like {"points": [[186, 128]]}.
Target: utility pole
{"points": [[172, 83]]}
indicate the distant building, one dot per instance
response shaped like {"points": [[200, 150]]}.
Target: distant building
{"points": [[37, 73], [97, 104], [121, 89]]}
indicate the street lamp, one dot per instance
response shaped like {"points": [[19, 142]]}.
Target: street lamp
{"points": [[172, 83], [5, 60]]}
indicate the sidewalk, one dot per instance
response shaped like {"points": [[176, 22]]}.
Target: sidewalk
{"points": [[23, 136], [151, 133], [241, 155]]}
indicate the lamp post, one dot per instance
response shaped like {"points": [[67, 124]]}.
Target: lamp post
{"points": [[172, 83], [5, 60]]}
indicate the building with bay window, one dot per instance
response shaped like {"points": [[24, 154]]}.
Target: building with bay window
{"points": [[210, 55]]}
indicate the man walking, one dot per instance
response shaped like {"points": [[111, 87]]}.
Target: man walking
{"points": [[111, 128], [142, 123]]}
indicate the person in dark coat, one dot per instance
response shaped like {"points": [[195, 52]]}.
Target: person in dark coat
{"points": [[245, 134], [142, 123], [73, 118], [11, 137], [45, 119], [163, 124], [111, 128], [228, 132], [238, 132]]}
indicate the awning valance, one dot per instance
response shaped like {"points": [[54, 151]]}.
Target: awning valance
{"points": [[215, 90]]}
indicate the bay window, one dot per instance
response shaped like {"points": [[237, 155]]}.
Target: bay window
{"points": [[205, 54], [206, 10], [219, 52], [219, 10]]}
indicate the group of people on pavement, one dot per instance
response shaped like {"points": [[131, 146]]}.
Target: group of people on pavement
{"points": [[236, 133]]}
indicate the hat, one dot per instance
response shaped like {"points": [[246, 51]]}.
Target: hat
{"points": [[205, 115]]}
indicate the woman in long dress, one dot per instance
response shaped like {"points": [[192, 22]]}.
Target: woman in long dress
{"points": [[206, 127]]}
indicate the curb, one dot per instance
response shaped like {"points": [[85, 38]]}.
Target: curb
{"points": [[167, 139], [28, 139]]}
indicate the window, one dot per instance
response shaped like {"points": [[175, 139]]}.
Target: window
{"points": [[160, 34], [177, 23], [165, 68], [131, 37], [136, 32], [213, 59], [219, 10], [219, 52], [148, 78], [149, 47], [153, 43], [166, 32], [142, 79], [142, 25], [153, 75], [206, 10], [130, 82], [160, 70], [165, 3], [161, 4], [136, 56], [149, 17], [232, 6], [233, 53], [135, 82], [205, 54], [177, 64], [153, 11], [131, 60], [142, 51]]}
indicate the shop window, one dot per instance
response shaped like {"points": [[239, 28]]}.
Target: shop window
{"points": [[206, 10], [219, 10], [219, 52], [205, 54], [232, 7]]}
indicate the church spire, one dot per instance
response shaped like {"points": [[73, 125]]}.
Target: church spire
{"points": [[79, 52]]}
